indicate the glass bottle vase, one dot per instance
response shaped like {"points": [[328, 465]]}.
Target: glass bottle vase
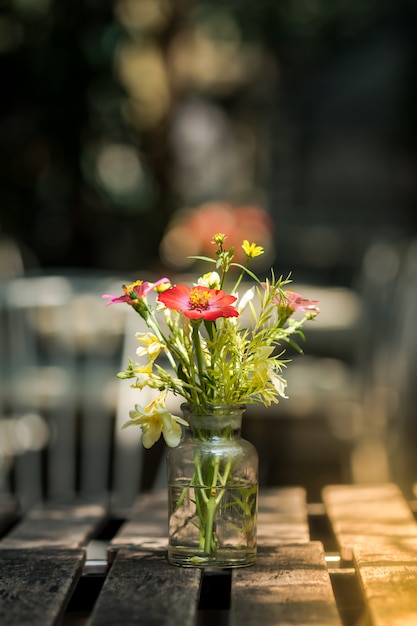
{"points": [[213, 491]]}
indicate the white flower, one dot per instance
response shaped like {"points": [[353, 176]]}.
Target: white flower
{"points": [[210, 280], [278, 382], [245, 299]]}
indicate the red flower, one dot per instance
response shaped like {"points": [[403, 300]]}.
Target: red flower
{"points": [[135, 291], [199, 302]]}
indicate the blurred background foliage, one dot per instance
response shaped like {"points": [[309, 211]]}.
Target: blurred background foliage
{"points": [[129, 128]]}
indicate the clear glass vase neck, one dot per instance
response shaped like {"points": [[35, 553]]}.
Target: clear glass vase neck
{"points": [[214, 420]]}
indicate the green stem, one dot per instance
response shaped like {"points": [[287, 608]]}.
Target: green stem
{"points": [[239, 280], [212, 483], [153, 324], [223, 480], [208, 540], [212, 502], [199, 356], [200, 480]]}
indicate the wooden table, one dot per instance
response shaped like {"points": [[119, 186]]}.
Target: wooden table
{"points": [[350, 560]]}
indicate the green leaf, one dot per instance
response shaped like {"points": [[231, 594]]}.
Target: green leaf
{"points": [[245, 269], [293, 344], [202, 258]]}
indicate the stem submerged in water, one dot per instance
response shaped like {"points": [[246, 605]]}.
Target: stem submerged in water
{"points": [[209, 542], [208, 499]]}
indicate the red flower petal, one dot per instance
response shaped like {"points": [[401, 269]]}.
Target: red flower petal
{"points": [[176, 298], [199, 302]]}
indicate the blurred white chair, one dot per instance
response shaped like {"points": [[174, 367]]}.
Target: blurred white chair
{"points": [[60, 351]]}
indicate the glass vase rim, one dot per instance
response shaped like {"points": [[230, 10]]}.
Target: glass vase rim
{"points": [[211, 408]]}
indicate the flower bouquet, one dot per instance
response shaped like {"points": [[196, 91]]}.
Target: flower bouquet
{"points": [[198, 348]]}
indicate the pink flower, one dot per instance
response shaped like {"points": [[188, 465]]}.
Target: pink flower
{"points": [[135, 291], [199, 302], [295, 302]]}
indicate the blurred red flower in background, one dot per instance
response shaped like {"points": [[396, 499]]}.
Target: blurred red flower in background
{"points": [[191, 232]]}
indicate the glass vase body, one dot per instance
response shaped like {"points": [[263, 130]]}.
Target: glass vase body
{"points": [[213, 491]]}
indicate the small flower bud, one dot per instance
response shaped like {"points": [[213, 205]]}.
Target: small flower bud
{"points": [[219, 239]]}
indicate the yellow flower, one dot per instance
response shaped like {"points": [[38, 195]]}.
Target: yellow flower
{"points": [[151, 346], [251, 249], [154, 420], [144, 376]]}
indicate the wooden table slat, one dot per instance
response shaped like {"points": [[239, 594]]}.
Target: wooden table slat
{"points": [[141, 588], [147, 528], [375, 527], [289, 584], [35, 586], [56, 525], [282, 516], [388, 576], [368, 515]]}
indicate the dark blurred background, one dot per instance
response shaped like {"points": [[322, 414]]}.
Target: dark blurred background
{"points": [[133, 130], [117, 115]]}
